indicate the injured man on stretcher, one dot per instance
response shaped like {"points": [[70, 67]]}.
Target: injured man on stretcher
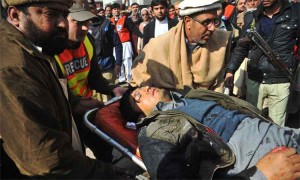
{"points": [[188, 137]]}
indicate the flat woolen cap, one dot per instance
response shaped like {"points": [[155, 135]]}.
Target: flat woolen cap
{"points": [[6, 3], [79, 13], [188, 7]]}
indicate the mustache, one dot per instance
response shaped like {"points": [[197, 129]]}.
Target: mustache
{"points": [[208, 33]]}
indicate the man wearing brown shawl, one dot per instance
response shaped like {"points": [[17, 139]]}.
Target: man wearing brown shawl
{"points": [[193, 54]]}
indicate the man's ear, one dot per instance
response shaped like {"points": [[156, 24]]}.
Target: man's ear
{"points": [[187, 22], [13, 16]]}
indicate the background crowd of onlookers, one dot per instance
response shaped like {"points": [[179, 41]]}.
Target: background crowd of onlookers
{"points": [[132, 34]]}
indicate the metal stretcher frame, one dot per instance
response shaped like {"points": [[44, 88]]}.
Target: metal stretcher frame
{"points": [[125, 151]]}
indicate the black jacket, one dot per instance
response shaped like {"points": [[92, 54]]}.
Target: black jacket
{"points": [[106, 38], [282, 40], [149, 29]]}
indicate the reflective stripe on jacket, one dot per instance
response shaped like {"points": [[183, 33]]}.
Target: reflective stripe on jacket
{"points": [[75, 65]]}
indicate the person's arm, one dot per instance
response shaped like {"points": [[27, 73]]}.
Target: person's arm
{"points": [[283, 163], [95, 79], [280, 162], [129, 24], [118, 47], [100, 84], [37, 134], [238, 55], [139, 45], [78, 104], [140, 40], [146, 37], [85, 104], [240, 50], [118, 51]]}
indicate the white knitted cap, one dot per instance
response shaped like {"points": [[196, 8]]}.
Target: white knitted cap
{"points": [[188, 7]]}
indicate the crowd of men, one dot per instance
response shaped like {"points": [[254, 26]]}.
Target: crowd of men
{"points": [[61, 58]]}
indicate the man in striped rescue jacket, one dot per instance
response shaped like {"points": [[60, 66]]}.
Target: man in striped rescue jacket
{"points": [[78, 63], [209, 135]]}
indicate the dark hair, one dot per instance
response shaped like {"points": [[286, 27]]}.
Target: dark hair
{"points": [[116, 5], [23, 8], [158, 2], [92, 2], [108, 5], [134, 4], [3, 12], [171, 7], [101, 9], [126, 109]]}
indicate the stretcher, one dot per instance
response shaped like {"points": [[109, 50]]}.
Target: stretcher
{"points": [[109, 125]]}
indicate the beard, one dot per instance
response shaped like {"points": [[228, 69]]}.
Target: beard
{"points": [[52, 43], [201, 40]]}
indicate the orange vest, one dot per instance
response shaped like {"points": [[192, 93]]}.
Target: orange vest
{"points": [[75, 65], [123, 32], [228, 11]]}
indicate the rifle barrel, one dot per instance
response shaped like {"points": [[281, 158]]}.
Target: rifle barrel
{"points": [[273, 57]]}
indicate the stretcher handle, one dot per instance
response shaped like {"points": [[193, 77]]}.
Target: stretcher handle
{"points": [[108, 139]]}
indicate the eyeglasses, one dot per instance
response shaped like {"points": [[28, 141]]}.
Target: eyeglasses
{"points": [[208, 22]]}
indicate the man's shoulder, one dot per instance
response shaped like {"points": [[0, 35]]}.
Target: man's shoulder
{"points": [[107, 22], [149, 25], [12, 49], [249, 15], [296, 9], [12, 55], [126, 19], [160, 42], [91, 38]]}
